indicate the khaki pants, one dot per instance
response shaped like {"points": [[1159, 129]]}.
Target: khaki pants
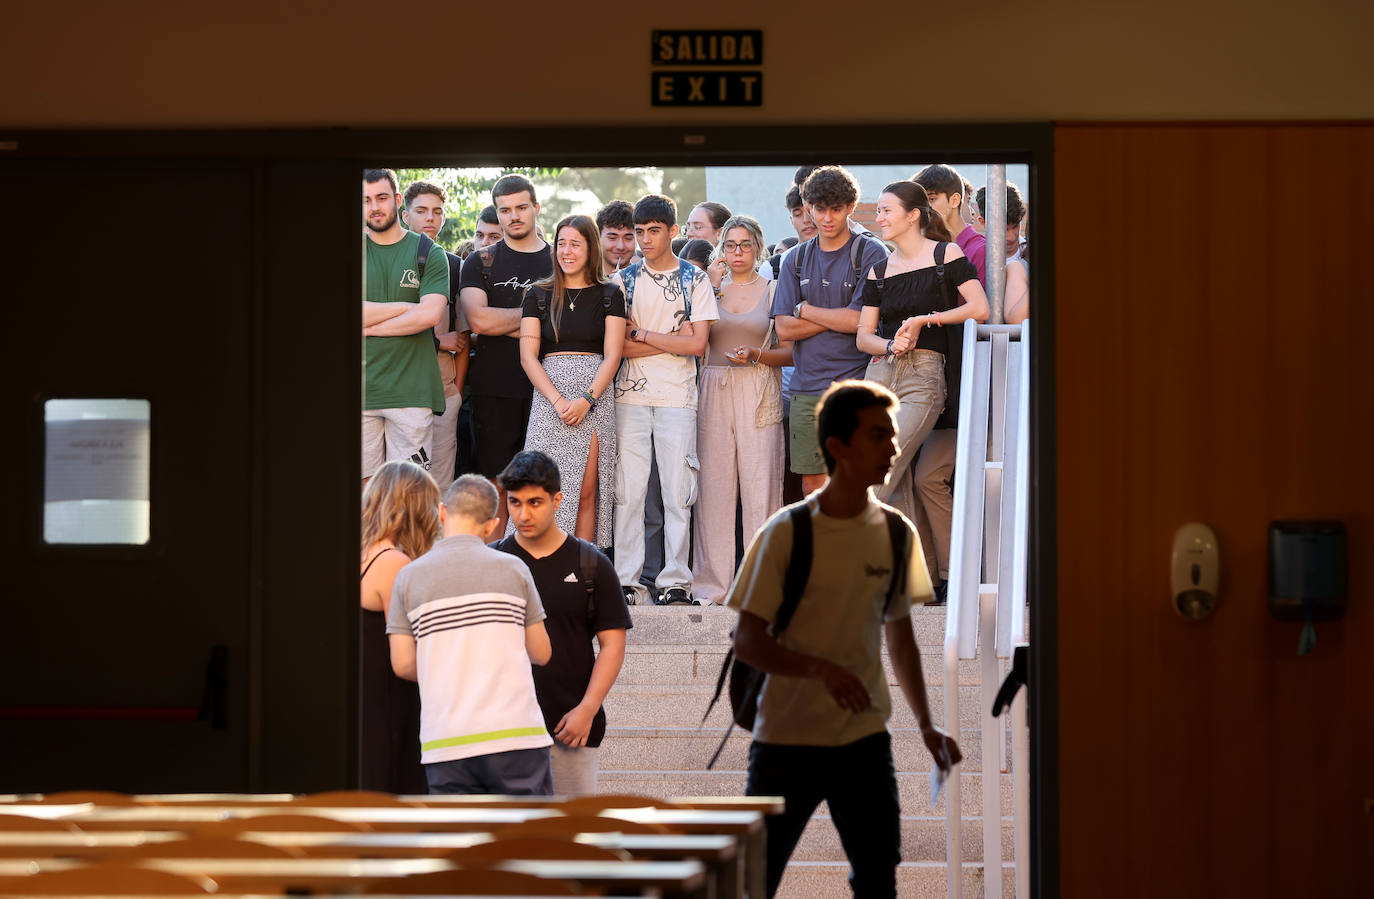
{"points": [[740, 460], [918, 379], [934, 499]]}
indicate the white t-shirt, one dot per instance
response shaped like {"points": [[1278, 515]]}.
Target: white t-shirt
{"points": [[840, 618], [659, 305]]}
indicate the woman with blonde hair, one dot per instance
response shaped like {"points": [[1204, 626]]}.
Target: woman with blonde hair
{"points": [[739, 408], [572, 331], [400, 523]]}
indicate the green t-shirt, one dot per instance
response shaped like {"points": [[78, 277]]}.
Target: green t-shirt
{"points": [[403, 372]]}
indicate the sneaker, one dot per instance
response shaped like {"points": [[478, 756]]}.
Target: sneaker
{"points": [[941, 594], [675, 596], [631, 596]]}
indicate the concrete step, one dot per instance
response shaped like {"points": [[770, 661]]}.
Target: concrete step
{"points": [[669, 705], [712, 625], [915, 880], [689, 749], [686, 663], [913, 788]]}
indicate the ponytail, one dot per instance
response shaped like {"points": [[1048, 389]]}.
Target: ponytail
{"points": [[933, 226]]}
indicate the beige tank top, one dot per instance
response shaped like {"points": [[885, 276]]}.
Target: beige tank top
{"points": [[739, 329]]}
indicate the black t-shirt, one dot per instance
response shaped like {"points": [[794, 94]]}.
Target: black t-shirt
{"points": [[917, 292], [582, 324], [561, 684], [496, 367]]}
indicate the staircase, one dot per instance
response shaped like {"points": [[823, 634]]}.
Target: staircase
{"points": [[653, 746]]}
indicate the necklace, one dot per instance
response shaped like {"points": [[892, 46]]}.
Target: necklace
{"points": [[573, 298], [733, 283]]}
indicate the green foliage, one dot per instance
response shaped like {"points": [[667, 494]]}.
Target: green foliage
{"points": [[561, 191], [469, 191]]}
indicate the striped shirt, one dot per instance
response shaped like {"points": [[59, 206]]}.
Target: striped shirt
{"points": [[467, 606]]}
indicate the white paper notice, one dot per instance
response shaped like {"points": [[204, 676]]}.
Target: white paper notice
{"points": [[96, 471]]}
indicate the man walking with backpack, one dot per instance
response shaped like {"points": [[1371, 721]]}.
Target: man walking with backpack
{"points": [[581, 595], [815, 625]]}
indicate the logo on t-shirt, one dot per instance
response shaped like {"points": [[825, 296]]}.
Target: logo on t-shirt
{"points": [[570, 579], [409, 278], [516, 283], [877, 571]]}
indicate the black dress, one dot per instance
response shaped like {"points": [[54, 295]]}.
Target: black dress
{"points": [[389, 714]]}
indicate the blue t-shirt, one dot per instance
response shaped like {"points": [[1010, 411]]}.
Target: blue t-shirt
{"points": [[827, 280]]}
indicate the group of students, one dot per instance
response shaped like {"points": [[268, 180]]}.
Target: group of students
{"points": [[610, 363], [675, 384]]}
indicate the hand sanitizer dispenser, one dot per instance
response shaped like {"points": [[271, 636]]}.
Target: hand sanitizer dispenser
{"points": [[1195, 571]]}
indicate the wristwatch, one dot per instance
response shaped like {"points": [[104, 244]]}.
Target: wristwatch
{"points": [[796, 310], [634, 334]]}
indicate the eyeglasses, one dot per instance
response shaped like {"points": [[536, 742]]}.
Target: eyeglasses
{"points": [[738, 247]]}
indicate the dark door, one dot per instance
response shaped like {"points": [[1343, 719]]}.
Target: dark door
{"points": [[126, 667]]}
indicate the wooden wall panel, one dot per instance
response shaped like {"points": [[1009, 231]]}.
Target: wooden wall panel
{"points": [[1215, 313]]}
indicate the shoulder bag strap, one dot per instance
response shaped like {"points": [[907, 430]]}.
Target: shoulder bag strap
{"points": [[901, 551], [798, 567]]}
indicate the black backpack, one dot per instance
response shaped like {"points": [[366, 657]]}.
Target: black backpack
{"points": [[586, 566], [745, 680], [954, 351]]}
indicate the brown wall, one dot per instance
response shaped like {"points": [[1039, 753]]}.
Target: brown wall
{"points": [[1214, 366], [355, 62]]}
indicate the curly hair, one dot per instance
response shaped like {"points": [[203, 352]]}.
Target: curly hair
{"points": [[830, 186], [415, 188]]}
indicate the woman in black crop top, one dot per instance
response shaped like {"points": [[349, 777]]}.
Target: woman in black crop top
{"points": [[906, 322], [572, 330]]}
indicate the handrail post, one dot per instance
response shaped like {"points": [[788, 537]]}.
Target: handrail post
{"points": [[995, 217]]}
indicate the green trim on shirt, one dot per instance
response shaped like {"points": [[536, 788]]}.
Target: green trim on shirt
{"points": [[483, 738]]}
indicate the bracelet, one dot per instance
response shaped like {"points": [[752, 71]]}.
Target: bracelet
{"points": [[759, 358], [591, 400], [889, 346]]}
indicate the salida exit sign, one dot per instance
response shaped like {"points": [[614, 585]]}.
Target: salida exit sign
{"points": [[706, 68]]}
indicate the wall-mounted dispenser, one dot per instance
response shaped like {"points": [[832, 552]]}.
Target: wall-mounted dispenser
{"points": [[1307, 570], [1195, 571]]}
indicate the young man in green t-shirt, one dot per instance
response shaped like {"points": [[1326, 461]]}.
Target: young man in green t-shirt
{"points": [[402, 392]]}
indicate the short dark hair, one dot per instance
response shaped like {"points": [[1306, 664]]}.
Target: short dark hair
{"points": [[793, 198], [512, 184], [415, 188], [941, 179], [372, 176], [1016, 208], [802, 173], [488, 216], [788, 243], [696, 250], [837, 414], [616, 214], [830, 186], [718, 213], [531, 469], [677, 244], [656, 208]]}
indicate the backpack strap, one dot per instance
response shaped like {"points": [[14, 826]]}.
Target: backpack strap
{"points": [[798, 262], [488, 256], [940, 274], [607, 294], [687, 274], [422, 256], [628, 275], [798, 567], [586, 563], [856, 246], [541, 300], [900, 533]]}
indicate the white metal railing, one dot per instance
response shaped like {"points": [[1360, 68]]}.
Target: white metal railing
{"points": [[987, 585]]}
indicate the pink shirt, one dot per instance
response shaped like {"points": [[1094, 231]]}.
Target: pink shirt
{"points": [[975, 247]]}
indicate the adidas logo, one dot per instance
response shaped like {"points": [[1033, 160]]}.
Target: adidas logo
{"points": [[570, 579], [420, 458]]}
